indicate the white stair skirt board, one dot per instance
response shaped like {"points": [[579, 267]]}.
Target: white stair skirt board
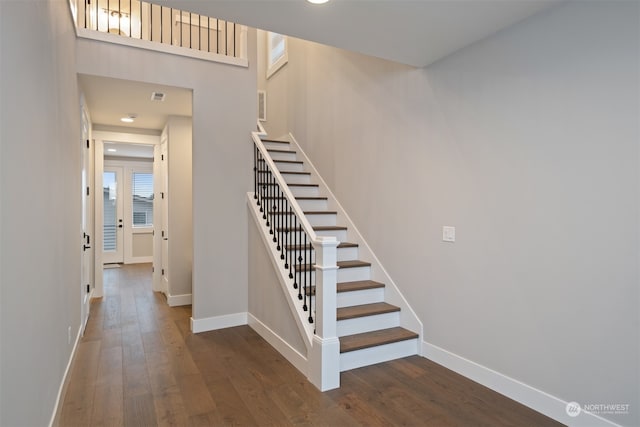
{"points": [[178, 300], [368, 323], [533, 398], [218, 322], [366, 296], [382, 353], [291, 354]]}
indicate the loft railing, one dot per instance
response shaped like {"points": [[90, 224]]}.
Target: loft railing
{"points": [[139, 20]]}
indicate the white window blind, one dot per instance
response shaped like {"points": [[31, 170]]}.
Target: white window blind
{"points": [[142, 191]]}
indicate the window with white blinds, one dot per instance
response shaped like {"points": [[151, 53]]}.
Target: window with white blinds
{"points": [[142, 193]]}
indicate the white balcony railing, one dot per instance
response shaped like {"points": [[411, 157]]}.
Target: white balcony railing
{"points": [[151, 26]]}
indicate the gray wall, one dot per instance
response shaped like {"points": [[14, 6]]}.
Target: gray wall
{"points": [[267, 301], [224, 102], [180, 202], [40, 164], [527, 143]]}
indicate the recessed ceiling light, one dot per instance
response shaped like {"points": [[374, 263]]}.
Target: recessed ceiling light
{"points": [[317, 1], [129, 119]]}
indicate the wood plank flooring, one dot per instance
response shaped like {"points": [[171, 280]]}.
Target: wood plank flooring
{"points": [[139, 365]]}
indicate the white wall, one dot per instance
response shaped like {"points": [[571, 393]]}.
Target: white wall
{"points": [[527, 143], [40, 219], [224, 113], [180, 202]]}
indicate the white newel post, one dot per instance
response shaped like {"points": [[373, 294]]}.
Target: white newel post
{"points": [[324, 357]]}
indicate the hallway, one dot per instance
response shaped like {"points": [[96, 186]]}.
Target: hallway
{"points": [[139, 365]]}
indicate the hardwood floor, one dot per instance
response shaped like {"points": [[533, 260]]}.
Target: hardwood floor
{"points": [[139, 365]]}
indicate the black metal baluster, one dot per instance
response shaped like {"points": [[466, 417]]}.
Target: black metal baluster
{"points": [[311, 269], [276, 212], [267, 207], [234, 40], [190, 30], [285, 243], [151, 23], [217, 35], [226, 37], [273, 204], [208, 34], [140, 3], [255, 172], [85, 13], [296, 266], [306, 271], [291, 252], [119, 19]]}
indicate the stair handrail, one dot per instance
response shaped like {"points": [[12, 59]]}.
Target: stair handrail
{"points": [[285, 189]]}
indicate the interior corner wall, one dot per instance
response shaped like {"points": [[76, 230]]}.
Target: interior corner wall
{"points": [[527, 143], [40, 207], [180, 205], [224, 114]]}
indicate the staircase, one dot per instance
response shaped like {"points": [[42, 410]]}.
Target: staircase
{"points": [[368, 326]]}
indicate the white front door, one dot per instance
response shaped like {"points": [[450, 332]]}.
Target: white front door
{"points": [[113, 215], [86, 284]]}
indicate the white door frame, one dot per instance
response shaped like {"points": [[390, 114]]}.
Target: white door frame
{"points": [[100, 137], [87, 266]]}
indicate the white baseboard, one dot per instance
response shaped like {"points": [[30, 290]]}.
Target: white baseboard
{"points": [[64, 378], [218, 322], [535, 399], [176, 300], [283, 347]]}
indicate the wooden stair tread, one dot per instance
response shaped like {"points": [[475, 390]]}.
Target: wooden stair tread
{"points": [[341, 245], [273, 150], [360, 285], [275, 141], [294, 172], [363, 310], [375, 338], [340, 264], [298, 162], [306, 213]]}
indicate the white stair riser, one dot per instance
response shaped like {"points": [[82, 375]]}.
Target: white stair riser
{"points": [[368, 323], [283, 156], [328, 219], [346, 274], [373, 355], [354, 274], [340, 235], [293, 178], [312, 205], [294, 167], [367, 296], [276, 146], [346, 254], [304, 191]]}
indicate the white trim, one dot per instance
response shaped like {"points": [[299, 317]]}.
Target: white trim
{"points": [[176, 300], [161, 47], [277, 342], [218, 322], [64, 378], [531, 397]]}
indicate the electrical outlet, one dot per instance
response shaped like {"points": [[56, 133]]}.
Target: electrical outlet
{"points": [[448, 234], [69, 335]]}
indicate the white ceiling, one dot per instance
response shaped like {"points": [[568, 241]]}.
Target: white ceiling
{"points": [[416, 32], [110, 99]]}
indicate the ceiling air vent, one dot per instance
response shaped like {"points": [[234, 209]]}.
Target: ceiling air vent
{"points": [[157, 96]]}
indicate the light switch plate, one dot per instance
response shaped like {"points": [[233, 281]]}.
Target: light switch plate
{"points": [[448, 234]]}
